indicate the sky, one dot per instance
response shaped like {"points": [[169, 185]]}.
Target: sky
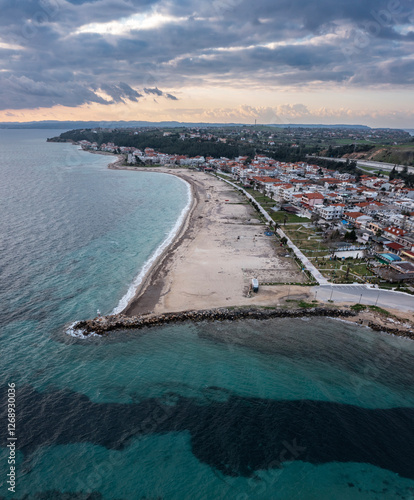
{"points": [[218, 61]]}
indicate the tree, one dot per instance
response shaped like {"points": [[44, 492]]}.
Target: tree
{"points": [[351, 236], [283, 240]]}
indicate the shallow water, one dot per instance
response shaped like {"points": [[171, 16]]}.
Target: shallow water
{"points": [[283, 408]]}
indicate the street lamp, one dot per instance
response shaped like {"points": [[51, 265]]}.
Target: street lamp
{"points": [[360, 299], [377, 298]]}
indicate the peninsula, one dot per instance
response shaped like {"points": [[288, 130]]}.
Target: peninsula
{"points": [[206, 273]]}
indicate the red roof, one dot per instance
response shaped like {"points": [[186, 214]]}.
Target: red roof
{"points": [[395, 230], [394, 246], [353, 215], [314, 196]]}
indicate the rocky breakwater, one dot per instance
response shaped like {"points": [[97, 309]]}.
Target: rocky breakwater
{"points": [[105, 324], [402, 331]]}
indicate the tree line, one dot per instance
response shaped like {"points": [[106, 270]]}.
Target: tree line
{"points": [[171, 144]]}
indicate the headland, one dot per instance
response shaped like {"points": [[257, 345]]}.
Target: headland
{"points": [[206, 271]]}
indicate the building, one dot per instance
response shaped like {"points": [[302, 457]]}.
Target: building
{"points": [[310, 200], [331, 212]]}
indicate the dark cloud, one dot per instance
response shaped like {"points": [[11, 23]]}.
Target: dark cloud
{"points": [[153, 91], [50, 60], [158, 92], [121, 92]]}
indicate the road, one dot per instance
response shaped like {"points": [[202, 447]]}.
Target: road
{"points": [[342, 293], [364, 295], [364, 163], [307, 264]]}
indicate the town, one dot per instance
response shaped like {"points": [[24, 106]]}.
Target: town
{"points": [[354, 226]]}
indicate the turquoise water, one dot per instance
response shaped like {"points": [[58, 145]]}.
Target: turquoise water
{"points": [[288, 409]]}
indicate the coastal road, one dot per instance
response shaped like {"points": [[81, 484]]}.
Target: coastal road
{"points": [[365, 295], [307, 264], [364, 163]]}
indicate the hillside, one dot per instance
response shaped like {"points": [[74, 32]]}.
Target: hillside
{"points": [[398, 154]]}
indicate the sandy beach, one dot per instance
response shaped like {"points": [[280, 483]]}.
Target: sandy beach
{"points": [[220, 248], [207, 270]]}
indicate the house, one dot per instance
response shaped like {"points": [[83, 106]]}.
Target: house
{"points": [[393, 247], [310, 200], [331, 212], [407, 254], [357, 218], [393, 232], [397, 271]]}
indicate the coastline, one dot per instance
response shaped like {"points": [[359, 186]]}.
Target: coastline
{"points": [[219, 249], [147, 290], [163, 288], [369, 319]]}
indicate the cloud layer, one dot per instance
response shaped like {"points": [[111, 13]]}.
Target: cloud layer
{"points": [[75, 52]]}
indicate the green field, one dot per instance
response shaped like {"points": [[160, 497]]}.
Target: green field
{"points": [[282, 216]]}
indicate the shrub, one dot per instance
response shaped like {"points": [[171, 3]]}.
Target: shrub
{"points": [[358, 307]]}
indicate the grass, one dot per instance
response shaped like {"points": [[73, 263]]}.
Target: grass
{"points": [[380, 310], [391, 286], [280, 218], [305, 305], [372, 169], [342, 142], [358, 307], [376, 309]]}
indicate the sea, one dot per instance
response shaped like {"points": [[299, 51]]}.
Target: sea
{"points": [[275, 409]]}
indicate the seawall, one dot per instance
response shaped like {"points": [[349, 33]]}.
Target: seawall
{"points": [[105, 324]]}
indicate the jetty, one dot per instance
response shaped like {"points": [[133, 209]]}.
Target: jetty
{"points": [[104, 324]]}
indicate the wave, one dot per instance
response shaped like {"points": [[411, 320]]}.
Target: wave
{"points": [[147, 266], [78, 333]]}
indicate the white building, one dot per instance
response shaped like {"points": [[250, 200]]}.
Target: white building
{"points": [[331, 212]]}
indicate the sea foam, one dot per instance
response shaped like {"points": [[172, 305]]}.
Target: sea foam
{"points": [[78, 332], [147, 266]]}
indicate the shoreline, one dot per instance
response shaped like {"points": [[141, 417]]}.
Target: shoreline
{"points": [[190, 272], [141, 297], [102, 326], [149, 301], [146, 292]]}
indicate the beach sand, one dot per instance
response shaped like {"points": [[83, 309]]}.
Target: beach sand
{"points": [[220, 248]]}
